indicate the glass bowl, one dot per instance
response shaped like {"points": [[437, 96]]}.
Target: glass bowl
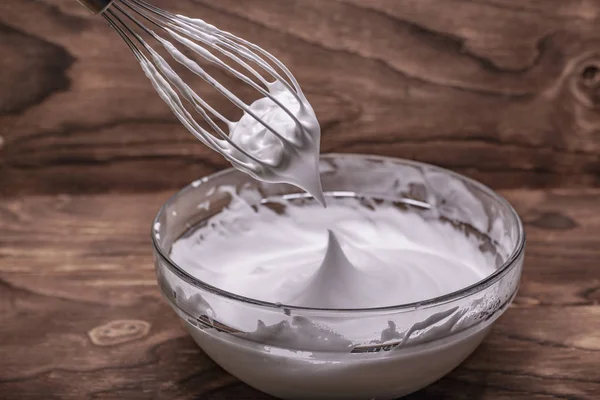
{"points": [[376, 353]]}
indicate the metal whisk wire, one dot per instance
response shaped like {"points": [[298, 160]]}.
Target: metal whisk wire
{"points": [[129, 16]]}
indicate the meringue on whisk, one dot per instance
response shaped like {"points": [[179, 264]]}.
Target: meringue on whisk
{"points": [[277, 139]]}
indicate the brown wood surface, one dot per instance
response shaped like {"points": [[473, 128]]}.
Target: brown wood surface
{"points": [[506, 91]]}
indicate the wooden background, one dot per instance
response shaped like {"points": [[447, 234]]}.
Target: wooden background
{"points": [[505, 91]]}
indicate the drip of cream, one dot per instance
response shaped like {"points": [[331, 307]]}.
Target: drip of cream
{"points": [[298, 164], [251, 144]]}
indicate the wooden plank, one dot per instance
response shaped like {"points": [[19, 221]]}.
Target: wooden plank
{"points": [[502, 90], [82, 317]]}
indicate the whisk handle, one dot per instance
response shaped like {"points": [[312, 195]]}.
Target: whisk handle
{"points": [[96, 6]]}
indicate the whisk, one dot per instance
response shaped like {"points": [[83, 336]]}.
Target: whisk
{"points": [[284, 135]]}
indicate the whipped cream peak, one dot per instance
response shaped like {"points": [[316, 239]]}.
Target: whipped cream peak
{"points": [[338, 282]]}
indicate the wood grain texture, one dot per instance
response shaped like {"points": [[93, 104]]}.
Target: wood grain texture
{"points": [[506, 91], [82, 317]]}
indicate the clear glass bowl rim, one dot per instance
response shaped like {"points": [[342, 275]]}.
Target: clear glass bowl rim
{"points": [[477, 287]]}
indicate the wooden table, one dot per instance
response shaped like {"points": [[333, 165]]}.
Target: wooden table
{"points": [[506, 91]]}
